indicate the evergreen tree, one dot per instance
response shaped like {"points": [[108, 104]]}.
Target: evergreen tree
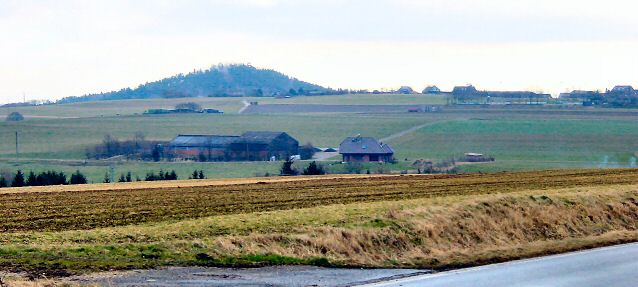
{"points": [[3, 182], [173, 175], [78, 178], [32, 180], [18, 179], [201, 174], [195, 175], [122, 178], [107, 178], [151, 176], [156, 153], [287, 168], [314, 169], [129, 177]]}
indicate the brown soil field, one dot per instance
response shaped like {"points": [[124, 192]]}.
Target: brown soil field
{"points": [[177, 183], [88, 209], [434, 222]]}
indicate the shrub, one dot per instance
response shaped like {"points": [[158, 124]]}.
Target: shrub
{"points": [[354, 167], [314, 169], [15, 117]]}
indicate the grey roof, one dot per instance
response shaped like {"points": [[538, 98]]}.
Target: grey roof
{"points": [[623, 89], [431, 89], [202, 140], [363, 145], [260, 137]]}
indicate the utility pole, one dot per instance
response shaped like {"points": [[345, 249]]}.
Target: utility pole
{"points": [[17, 147], [112, 173]]}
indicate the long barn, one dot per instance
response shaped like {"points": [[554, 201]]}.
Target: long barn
{"points": [[250, 146]]}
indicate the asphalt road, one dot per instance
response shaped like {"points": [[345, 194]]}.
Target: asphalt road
{"points": [[610, 266]]}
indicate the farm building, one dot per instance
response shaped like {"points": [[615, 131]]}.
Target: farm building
{"points": [[365, 149], [432, 90], [470, 95], [477, 157], [255, 146], [405, 90]]}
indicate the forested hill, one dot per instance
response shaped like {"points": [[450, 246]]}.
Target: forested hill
{"points": [[218, 81]]}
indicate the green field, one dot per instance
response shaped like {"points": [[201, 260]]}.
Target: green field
{"points": [[227, 104], [519, 141], [528, 144]]}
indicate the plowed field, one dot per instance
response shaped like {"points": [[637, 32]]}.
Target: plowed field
{"points": [[77, 210]]}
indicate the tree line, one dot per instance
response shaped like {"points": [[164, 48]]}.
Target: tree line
{"points": [[152, 176], [42, 179], [137, 148]]}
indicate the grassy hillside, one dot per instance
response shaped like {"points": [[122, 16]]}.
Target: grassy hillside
{"points": [[68, 138], [556, 142], [227, 104], [519, 139], [400, 221]]}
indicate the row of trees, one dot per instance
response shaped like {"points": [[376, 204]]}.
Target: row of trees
{"points": [[42, 179], [46, 178], [136, 148], [152, 176]]}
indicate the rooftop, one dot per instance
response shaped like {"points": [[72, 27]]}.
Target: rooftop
{"points": [[363, 145]]}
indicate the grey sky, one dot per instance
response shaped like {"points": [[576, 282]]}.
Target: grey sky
{"points": [[52, 49]]}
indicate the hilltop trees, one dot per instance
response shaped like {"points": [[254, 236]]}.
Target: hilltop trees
{"points": [[218, 81]]}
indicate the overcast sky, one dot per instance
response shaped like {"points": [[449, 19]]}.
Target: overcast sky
{"points": [[52, 49]]}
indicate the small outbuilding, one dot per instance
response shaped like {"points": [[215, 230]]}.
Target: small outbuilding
{"points": [[365, 149]]}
